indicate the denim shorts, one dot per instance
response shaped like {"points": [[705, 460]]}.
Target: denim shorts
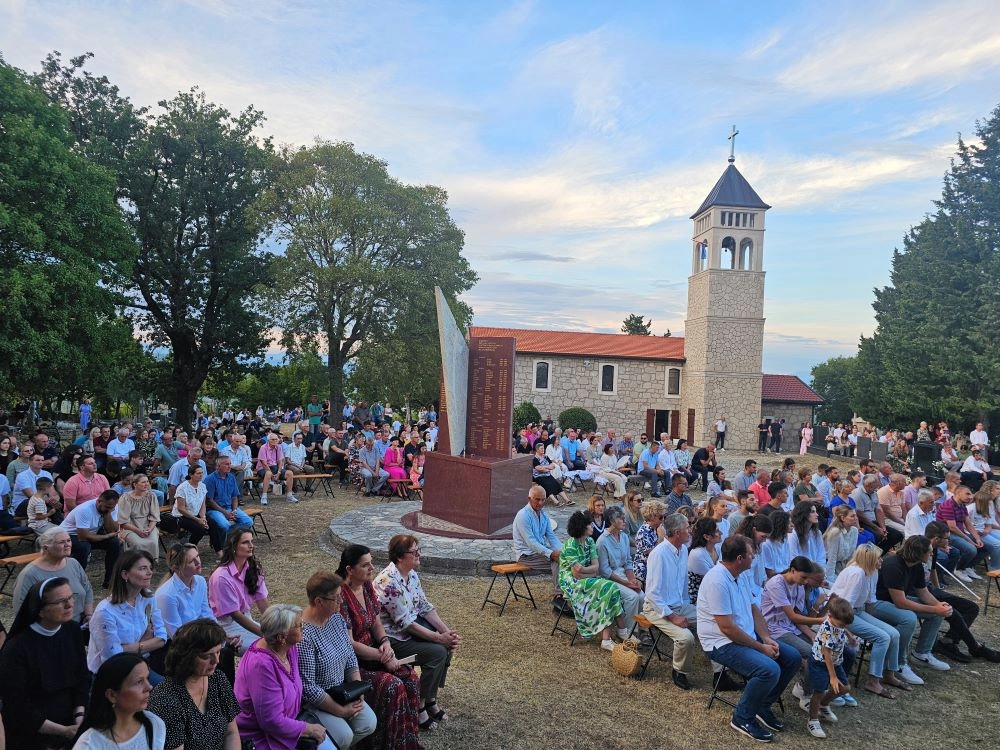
{"points": [[819, 676]]}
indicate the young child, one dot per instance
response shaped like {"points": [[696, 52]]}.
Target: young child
{"points": [[826, 667], [40, 514]]}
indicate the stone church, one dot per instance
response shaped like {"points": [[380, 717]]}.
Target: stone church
{"points": [[678, 385]]}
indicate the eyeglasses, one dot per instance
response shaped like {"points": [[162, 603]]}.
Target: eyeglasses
{"points": [[67, 602], [336, 598], [414, 552]]}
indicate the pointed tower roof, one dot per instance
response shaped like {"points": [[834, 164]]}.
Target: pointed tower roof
{"points": [[732, 189]]}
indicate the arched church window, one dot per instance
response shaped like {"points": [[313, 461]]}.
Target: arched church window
{"points": [[746, 254]]}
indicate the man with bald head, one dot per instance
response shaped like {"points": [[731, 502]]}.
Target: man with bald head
{"points": [[892, 502], [535, 543]]}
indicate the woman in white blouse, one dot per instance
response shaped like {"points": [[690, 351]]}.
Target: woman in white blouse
{"points": [[129, 619], [805, 537], [189, 504], [856, 584], [841, 539]]}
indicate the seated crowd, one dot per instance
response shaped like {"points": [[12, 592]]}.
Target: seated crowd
{"points": [[780, 575]]}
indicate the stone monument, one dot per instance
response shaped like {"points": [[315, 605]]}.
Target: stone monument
{"points": [[473, 485]]}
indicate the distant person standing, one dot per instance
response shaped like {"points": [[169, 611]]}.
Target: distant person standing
{"points": [[720, 433], [776, 431], [85, 410], [314, 410]]}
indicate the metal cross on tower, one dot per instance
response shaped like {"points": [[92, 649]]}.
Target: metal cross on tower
{"points": [[732, 144]]}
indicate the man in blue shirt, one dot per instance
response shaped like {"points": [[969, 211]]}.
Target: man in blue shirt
{"points": [[535, 543], [222, 494], [649, 467]]}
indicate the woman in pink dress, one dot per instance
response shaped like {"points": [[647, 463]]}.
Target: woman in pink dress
{"points": [[807, 438], [394, 463]]}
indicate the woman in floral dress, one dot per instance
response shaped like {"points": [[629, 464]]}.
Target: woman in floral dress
{"points": [[396, 700], [596, 601]]}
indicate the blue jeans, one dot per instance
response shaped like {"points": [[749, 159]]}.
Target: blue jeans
{"points": [[766, 678], [991, 543], [218, 521], [949, 559], [884, 639], [905, 621], [655, 481], [970, 554]]}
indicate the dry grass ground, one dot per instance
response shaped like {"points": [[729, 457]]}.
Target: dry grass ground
{"points": [[511, 685]]}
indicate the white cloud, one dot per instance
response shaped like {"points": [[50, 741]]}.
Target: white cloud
{"points": [[511, 20], [871, 49]]}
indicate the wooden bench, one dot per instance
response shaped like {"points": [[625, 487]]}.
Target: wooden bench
{"points": [[511, 571], [312, 481], [255, 515], [10, 566], [6, 539]]}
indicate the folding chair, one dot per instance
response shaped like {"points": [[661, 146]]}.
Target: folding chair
{"points": [[641, 621], [716, 693], [563, 611]]}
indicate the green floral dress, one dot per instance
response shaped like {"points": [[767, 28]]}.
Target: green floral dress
{"points": [[596, 601]]}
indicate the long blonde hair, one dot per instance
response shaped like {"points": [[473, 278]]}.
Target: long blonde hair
{"points": [[866, 557], [840, 512]]}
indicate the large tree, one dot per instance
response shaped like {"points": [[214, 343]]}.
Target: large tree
{"points": [[938, 334], [363, 253], [62, 240], [186, 179], [832, 380], [637, 325]]}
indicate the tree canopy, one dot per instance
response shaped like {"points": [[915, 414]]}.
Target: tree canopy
{"points": [[935, 352], [637, 325], [186, 178], [363, 253], [62, 247]]}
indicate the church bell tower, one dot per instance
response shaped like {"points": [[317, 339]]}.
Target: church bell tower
{"points": [[724, 330]]}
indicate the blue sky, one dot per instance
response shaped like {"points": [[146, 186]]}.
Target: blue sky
{"points": [[576, 138]]}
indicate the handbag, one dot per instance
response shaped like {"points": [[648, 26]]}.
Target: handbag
{"points": [[349, 692], [625, 658]]}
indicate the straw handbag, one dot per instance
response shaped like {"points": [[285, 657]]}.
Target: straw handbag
{"points": [[625, 658]]}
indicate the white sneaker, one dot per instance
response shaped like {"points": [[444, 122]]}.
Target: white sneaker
{"points": [[608, 645], [291, 498], [826, 714], [798, 691], [816, 729], [971, 572], [960, 575], [804, 702], [263, 499], [909, 676], [932, 661]]}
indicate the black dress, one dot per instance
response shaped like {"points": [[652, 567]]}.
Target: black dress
{"points": [[543, 478], [188, 726], [43, 677]]}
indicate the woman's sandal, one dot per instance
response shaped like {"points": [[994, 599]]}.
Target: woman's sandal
{"points": [[883, 693], [435, 713], [427, 724]]}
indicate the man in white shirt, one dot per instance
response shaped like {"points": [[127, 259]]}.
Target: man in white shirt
{"points": [[978, 438], [720, 433], [179, 471], [94, 523], [120, 447], [668, 604], [975, 471], [24, 484], [733, 633]]}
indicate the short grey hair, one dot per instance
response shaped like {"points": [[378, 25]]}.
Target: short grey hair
{"points": [[47, 538], [925, 494], [613, 513], [674, 523], [195, 451], [278, 620]]}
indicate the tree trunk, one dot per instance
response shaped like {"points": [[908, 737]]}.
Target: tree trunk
{"points": [[335, 373]]}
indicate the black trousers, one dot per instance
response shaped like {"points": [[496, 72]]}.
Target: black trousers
{"points": [[81, 552], [720, 439], [963, 614]]}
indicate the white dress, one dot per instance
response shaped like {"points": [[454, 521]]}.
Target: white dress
{"points": [[92, 739]]}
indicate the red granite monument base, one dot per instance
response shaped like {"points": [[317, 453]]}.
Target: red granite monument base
{"points": [[483, 494]]}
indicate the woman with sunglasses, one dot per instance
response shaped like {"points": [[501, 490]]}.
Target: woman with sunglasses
{"points": [[44, 667]]}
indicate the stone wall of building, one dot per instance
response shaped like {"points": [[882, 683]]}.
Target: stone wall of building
{"points": [[639, 385], [723, 344], [794, 415]]}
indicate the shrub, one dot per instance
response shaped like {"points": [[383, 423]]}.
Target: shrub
{"points": [[577, 417], [525, 413]]}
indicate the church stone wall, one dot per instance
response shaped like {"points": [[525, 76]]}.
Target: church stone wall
{"points": [[640, 385]]}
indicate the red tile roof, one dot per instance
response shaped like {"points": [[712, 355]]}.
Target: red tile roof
{"points": [[788, 388], [589, 344]]}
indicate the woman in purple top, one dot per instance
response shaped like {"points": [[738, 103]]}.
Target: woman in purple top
{"points": [[269, 688]]}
